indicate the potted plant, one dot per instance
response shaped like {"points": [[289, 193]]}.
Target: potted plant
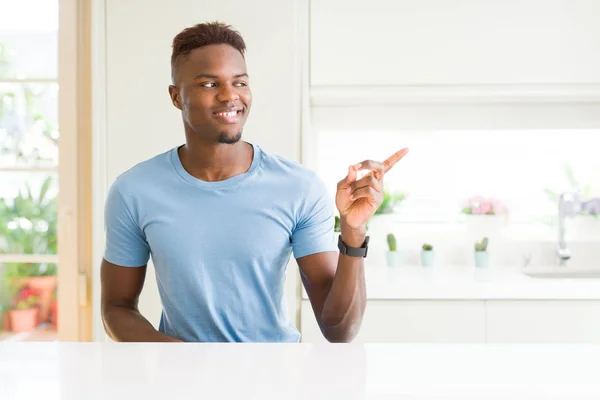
{"points": [[392, 256], [24, 312], [28, 225], [5, 302], [54, 310], [481, 253], [484, 216], [427, 255]]}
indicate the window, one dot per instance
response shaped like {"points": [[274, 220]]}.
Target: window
{"points": [[444, 168], [29, 148], [523, 164]]}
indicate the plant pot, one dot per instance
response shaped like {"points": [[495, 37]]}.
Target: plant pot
{"points": [[427, 258], [44, 286], [393, 259], [23, 320], [5, 321], [54, 310], [481, 259]]}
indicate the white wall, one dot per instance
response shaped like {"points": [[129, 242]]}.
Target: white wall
{"points": [[133, 115], [461, 42], [413, 73], [429, 64]]}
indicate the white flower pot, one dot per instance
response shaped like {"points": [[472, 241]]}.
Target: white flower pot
{"points": [[427, 258], [481, 259], [393, 259]]}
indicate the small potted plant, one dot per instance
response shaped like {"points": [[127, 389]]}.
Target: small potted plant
{"points": [[484, 216], [54, 310], [24, 313], [392, 256], [427, 255], [481, 253]]}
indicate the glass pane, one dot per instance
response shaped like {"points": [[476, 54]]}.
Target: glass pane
{"points": [[28, 217], [28, 298], [28, 125], [28, 40], [523, 169]]}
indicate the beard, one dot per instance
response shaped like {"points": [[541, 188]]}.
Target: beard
{"points": [[227, 138]]}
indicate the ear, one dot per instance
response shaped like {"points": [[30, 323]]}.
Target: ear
{"points": [[174, 96]]}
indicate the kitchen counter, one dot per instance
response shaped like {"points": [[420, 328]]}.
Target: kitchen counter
{"points": [[456, 283], [119, 371]]}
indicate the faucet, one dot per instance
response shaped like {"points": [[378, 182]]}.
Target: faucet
{"points": [[568, 205]]}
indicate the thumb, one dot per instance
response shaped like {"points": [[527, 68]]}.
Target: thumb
{"points": [[352, 174]]}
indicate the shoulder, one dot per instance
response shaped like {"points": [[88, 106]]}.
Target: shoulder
{"points": [[143, 176], [287, 170], [296, 182]]}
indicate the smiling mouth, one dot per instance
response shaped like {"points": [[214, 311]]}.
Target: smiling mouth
{"points": [[229, 117]]}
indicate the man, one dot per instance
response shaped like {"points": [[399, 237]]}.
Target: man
{"points": [[221, 217]]}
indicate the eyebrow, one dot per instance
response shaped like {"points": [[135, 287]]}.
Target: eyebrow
{"points": [[216, 77]]}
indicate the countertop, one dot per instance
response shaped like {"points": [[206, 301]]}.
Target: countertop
{"points": [[120, 371], [456, 283]]}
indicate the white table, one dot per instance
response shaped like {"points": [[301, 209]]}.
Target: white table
{"points": [[118, 371]]}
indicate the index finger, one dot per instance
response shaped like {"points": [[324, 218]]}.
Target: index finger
{"points": [[393, 159]]}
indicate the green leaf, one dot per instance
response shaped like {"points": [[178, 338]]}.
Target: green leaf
{"points": [[44, 190], [571, 177]]}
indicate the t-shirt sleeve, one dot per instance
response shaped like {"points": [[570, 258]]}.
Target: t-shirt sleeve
{"points": [[125, 241], [314, 229]]}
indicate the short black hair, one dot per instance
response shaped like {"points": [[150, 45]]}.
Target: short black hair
{"points": [[203, 35]]}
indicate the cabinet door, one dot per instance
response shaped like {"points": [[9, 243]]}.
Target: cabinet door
{"points": [[543, 321], [458, 42], [408, 321]]}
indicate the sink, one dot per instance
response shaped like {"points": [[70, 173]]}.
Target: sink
{"points": [[567, 272]]}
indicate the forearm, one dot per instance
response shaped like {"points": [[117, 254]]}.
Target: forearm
{"points": [[125, 324], [345, 304]]}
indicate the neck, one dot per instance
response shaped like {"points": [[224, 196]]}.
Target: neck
{"points": [[212, 162]]}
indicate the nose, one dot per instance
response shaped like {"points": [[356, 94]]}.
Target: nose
{"points": [[227, 93]]}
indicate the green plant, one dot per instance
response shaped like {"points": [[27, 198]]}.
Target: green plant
{"points": [[389, 201], [391, 240], [427, 247], [28, 225], [574, 185], [481, 246]]}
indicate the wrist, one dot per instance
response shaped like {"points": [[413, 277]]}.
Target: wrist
{"points": [[353, 236]]}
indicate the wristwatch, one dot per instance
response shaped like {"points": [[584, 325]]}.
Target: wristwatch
{"points": [[353, 251]]}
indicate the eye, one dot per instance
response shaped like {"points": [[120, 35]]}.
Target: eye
{"points": [[241, 84], [208, 84]]}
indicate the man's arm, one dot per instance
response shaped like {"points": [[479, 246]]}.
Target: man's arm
{"points": [[121, 288], [335, 284]]}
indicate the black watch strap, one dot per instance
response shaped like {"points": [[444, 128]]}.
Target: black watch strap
{"points": [[353, 251]]}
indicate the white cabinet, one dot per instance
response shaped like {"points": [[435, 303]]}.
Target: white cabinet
{"points": [[471, 321], [458, 42], [543, 321], [430, 321]]}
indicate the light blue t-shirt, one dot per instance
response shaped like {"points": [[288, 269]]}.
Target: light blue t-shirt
{"points": [[220, 249]]}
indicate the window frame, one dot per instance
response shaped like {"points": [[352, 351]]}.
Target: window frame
{"points": [[74, 171]]}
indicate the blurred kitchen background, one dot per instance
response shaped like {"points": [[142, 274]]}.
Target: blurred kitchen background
{"points": [[490, 230]]}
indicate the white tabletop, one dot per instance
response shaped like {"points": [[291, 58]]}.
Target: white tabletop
{"points": [[118, 371]]}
